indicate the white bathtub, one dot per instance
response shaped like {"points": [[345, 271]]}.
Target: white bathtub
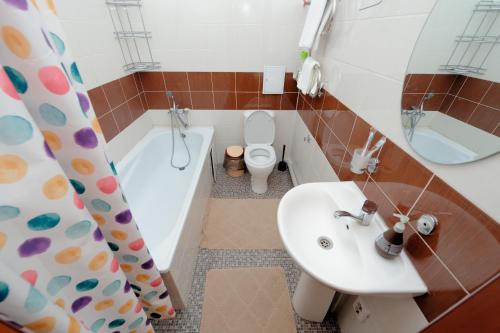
{"points": [[438, 148], [168, 204]]}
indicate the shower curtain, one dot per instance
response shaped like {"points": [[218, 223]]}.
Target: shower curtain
{"points": [[71, 256]]}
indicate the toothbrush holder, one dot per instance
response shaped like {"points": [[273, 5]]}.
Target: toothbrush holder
{"points": [[359, 162]]}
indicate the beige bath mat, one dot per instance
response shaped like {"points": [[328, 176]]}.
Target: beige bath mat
{"points": [[241, 224], [253, 300]]}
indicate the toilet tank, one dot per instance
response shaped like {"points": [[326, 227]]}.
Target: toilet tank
{"points": [[259, 127]]}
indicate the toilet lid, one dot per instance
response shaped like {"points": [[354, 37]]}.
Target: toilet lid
{"points": [[259, 128]]}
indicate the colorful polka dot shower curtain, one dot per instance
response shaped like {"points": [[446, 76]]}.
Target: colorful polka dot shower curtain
{"points": [[71, 256]]}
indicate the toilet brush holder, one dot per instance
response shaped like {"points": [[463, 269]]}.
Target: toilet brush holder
{"points": [[359, 162]]}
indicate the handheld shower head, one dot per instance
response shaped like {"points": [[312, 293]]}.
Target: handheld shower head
{"points": [[170, 94]]}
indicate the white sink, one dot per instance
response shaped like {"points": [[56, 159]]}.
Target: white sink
{"points": [[352, 265]]}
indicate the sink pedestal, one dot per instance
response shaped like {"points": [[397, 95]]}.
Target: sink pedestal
{"points": [[312, 299]]}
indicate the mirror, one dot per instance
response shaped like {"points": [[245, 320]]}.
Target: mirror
{"points": [[451, 96]]}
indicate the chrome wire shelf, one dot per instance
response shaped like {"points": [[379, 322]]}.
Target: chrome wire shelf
{"points": [[131, 34], [142, 66], [477, 41]]}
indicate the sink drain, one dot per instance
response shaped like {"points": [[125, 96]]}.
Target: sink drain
{"points": [[325, 243]]}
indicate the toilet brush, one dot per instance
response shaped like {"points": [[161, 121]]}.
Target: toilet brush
{"points": [[282, 165]]}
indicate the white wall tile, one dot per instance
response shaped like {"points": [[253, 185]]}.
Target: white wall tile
{"points": [[228, 125], [189, 35]]}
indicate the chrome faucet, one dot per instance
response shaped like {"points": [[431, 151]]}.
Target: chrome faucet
{"points": [[365, 217], [414, 115], [180, 114]]}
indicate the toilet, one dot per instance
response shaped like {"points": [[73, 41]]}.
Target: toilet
{"points": [[260, 156]]}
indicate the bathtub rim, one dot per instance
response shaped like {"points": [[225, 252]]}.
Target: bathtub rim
{"points": [[168, 247]]}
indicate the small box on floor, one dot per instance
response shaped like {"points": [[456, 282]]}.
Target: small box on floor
{"points": [[234, 161]]}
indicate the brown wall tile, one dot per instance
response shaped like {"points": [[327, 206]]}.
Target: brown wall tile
{"points": [[385, 206], [247, 82], [478, 314], [410, 101], [405, 83], [200, 81], [176, 81], [457, 85], [99, 102], [157, 100], [322, 135], [114, 93], [467, 100], [197, 90], [289, 101], [444, 290], [143, 100], [330, 102], [152, 81], [183, 99], [334, 152], [492, 97], [316, 103], [290, 83], [224, 81], [461, 109], [466, 239], [474, 89], [138, 83], [269, 102], [309, 116], [434, 103], [225, 100], [202, 100], [497, 130], [129, 86], [360, 134], [446, 103], [136, 108], [247, 101], [485, 118], [441, 83], [329, 109], [342, 124], [418, 83], [347, 175], [400, 176], [122, 116], [108, 126]]}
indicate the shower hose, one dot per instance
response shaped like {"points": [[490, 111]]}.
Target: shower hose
{"points": [[183, 138]]}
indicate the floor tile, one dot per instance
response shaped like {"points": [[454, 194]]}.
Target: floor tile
{"points": [[239, 187], [241, 224], [247, 305]]}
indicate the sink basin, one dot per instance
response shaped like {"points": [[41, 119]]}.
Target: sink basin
{"points": [[340, 253]]}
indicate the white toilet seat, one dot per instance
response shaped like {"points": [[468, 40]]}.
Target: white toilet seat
{"points": [[260, 156]]}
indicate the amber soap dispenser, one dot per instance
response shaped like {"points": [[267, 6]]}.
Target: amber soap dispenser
{"points": [[390, 243]]}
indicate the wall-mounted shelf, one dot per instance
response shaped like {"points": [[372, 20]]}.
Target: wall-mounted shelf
{"points": [[477, 41], [131, 34]]}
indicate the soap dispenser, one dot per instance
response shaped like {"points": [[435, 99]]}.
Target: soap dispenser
{"points": [[390, 243]]}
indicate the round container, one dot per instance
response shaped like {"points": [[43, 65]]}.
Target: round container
{"points": [[234, 161]]}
